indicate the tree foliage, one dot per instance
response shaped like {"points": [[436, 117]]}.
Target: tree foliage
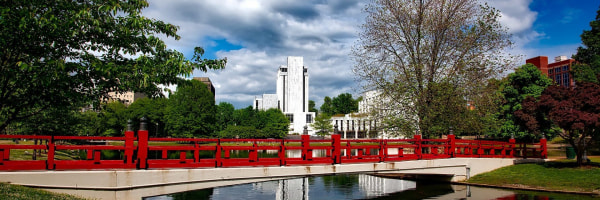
{"points": [[575, 110], [56, 53], [407, 48], [322, 125], [526, 81], [342, 104], [154, 109], [311, 107], [590, 53], [224, 115], [251, 123], [327, 107], [191, 111]]}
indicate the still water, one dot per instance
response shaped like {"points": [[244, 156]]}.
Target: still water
{"points": [[357, 186]]}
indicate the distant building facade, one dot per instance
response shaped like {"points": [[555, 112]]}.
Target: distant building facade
{"points": [[208, 84], [291, 96], [126, 98], [559, 71], [367, 122]]}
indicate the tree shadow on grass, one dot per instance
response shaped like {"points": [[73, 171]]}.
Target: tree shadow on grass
{"points": [[569, 164]]}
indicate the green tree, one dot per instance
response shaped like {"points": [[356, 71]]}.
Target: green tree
{"points": [[311, 107], [327, 107], [242, 132], [154, 111], [246, 117], [114, 117], [224, 115], [590, 52], [526, 81], [322, 124], [90, 124], [52, 121], [344, 104], [191, 111], [576, 110], [406, 46], [273, 123], [56, 53]]}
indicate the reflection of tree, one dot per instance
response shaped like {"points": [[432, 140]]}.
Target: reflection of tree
{"points": [[345, 183], [196, 194]]}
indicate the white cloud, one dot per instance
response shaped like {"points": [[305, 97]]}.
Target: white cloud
{"points": [[268, 31]]}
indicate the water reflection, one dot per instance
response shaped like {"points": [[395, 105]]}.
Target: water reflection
{"points": [[357, 187]]}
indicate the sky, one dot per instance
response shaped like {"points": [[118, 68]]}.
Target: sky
{"points": [[256, 36]]}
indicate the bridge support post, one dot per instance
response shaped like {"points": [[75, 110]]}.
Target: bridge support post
{"points": [[143, 145]]}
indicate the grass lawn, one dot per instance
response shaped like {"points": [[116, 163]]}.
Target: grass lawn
{"points": [[17, 192], [553, 175]]}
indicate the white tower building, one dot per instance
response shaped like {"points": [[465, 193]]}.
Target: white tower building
{"points": [[292, 95]]}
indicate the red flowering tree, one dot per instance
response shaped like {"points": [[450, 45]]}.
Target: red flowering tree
{"points": [[575, 110]]}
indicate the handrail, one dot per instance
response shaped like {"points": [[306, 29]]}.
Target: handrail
{"points": [[143, 152]]}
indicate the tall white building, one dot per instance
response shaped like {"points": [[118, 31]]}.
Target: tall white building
{"points": [[292, 95]]}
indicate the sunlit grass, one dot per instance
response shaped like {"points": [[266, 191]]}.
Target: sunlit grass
{"points": [[17, 192], [554, 175]]}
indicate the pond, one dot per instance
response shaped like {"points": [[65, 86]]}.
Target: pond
{"points": [[357, 186]]}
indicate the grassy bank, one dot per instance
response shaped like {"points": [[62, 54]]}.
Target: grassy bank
{"points": [[561, 175], [17, 192]]}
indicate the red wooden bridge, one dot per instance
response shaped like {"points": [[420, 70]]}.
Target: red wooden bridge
{"points": [[136, 148]]}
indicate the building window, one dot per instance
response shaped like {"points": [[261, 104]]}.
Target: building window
{"points": [[565, 68], [566, 79], [309, 118], [556, 70], [550, 71], [558, 79], [290, 117], [283, 69]]}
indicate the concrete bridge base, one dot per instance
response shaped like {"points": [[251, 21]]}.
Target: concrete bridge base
{"points": [[134, 184]]}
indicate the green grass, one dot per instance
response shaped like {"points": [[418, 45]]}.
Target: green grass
{"points": [[17, 192], [555, 175]]}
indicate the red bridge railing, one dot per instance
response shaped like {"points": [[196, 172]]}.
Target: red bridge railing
{"points": [[141, 152]]}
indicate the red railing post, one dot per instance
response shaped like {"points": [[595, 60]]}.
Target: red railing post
{"points": [[512, 147], [143, 145], [479, 149], [253, 154], [451, 146], [418, 149], [306, 155], [218, 162], [544, 147], [51, 149], [382, 150], [337, 148], [129, 145], [281, 153]]}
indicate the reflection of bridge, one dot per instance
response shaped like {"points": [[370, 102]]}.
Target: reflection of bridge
{"points": [[143, 162]]}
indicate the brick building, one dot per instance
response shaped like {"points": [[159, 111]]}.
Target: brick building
{"points": [[558, 71]]}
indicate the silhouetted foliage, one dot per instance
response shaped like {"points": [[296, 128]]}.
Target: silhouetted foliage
{"points": [[575, 110]]}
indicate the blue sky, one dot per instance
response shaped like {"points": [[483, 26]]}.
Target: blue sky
{"points": [[256, 36]]}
